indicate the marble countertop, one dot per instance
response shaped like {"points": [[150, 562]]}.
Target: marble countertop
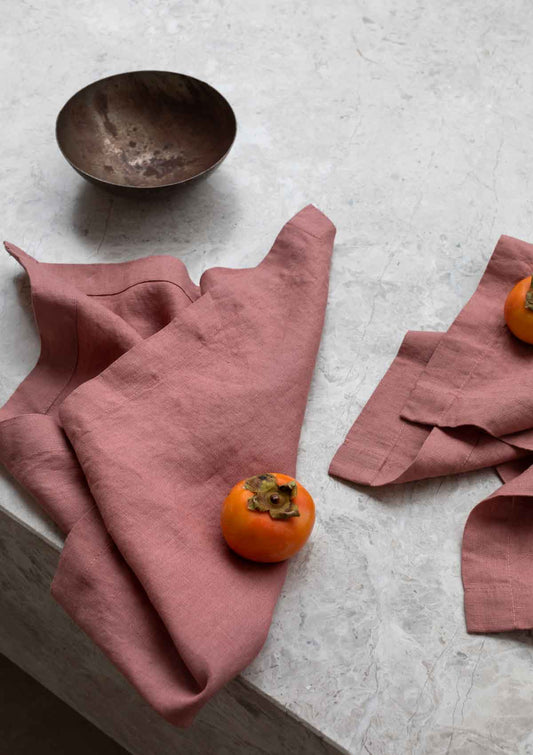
{"points": [[409, 124]]}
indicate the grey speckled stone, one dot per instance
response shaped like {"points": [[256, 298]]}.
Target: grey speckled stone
{"points": [[409, 124]]}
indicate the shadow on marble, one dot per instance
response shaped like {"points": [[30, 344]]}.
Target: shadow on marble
{"points": [[170, 221], [405, 493], [521, 636]]}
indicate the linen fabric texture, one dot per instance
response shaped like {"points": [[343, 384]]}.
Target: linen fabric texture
{"points": [[151, 398], [454, 402]]}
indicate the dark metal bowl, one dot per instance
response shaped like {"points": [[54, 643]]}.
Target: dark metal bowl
{"points": [[145, 130]]}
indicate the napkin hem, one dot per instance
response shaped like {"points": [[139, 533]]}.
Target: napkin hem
{"points": [[497, 608]]}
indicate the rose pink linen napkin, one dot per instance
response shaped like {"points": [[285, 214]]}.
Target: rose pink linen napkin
{"points": [[457, 401], [152, 397]]}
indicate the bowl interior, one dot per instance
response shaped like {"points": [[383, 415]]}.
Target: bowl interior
{"points": [[145, 129]]}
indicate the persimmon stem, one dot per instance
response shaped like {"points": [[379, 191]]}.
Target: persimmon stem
{"points": [[529, 296], [269, 496]]}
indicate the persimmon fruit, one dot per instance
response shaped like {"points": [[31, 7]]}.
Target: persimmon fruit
{"points": [[518, 310], [268, 517]]}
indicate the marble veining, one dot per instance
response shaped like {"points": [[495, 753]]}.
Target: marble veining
{"points": [[408, 123]]}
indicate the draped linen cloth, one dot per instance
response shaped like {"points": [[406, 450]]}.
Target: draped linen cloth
{"points": [[454, 402], [151, 398]]}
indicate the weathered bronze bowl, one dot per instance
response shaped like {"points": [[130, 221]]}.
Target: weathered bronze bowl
{"points": [[145, 130]]}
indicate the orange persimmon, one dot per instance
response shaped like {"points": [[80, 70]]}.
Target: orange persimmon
{"points": [[518, 310], [268, 517]]}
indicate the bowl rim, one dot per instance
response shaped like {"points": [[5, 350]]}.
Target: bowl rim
{"points": [[85, 173]]}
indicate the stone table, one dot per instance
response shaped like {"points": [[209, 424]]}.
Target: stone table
{"points": [[408, 123]]}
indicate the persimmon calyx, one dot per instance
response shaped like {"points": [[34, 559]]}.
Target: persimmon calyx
{"points": [[529, 296], [278, 500]]}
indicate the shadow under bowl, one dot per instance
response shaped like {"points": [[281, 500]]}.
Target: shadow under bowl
{"points": [[145, 130]]}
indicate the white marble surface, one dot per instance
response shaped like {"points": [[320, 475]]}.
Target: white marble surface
{"points": [[409, 123]]}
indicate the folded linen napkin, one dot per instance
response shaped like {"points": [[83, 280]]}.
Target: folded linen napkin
{"points": [[457, 401], [152, 397]]}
